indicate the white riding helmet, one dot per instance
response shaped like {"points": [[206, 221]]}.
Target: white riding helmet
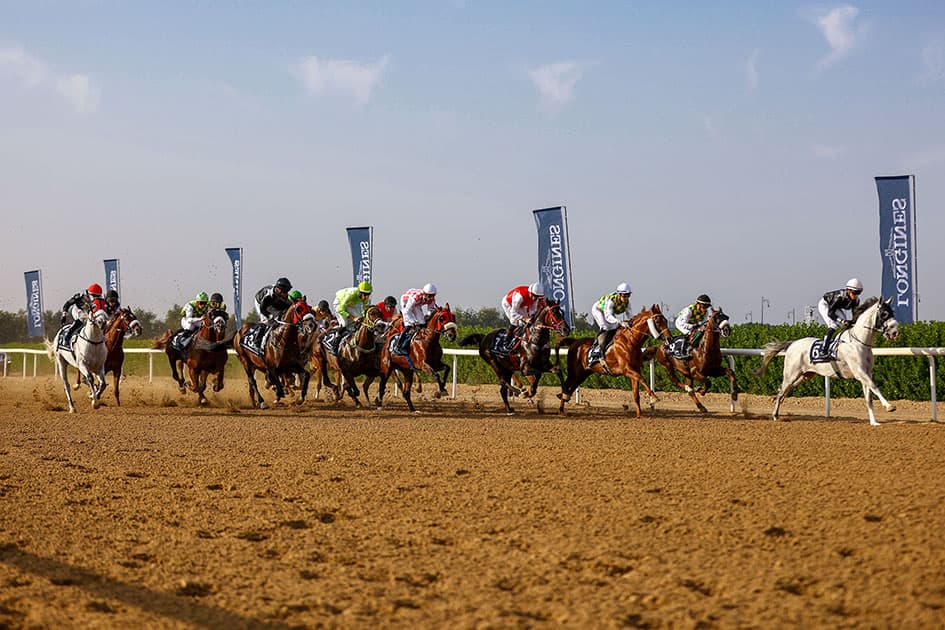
{"points": [[536, 289], [854, 284], [429, 288], [624, 287]]}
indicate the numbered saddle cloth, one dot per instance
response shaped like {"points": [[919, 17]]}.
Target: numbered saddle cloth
{"points": [[66, 336], [677, 347], [255, 339], [502, 345], [594, 354], [331, 340], [180, 340], [817, 354]]}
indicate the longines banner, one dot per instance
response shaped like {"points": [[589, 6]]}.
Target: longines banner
{"points": [[361, 240], [897, 244], [112, 275], [554, 257], [236, 258], [34, 304]]}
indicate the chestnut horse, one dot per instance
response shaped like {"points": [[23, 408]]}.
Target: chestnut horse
{"points": [[624, 357], [425, 355], [205, 355], [281, 354], [358, 355], [531, 354], [705, 360]]}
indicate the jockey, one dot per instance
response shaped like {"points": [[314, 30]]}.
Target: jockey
{"points": [[80, 305], [416, 305], [690, 320], [272, 301], [112, 303], [520, 304], [216, 303], [833, 302], [388, 308], [193, 312], [323, 317], [302, 309], [610, 311], [351, 303]]}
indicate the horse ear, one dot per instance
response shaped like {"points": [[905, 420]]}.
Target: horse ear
{"points": [[889, 301]]}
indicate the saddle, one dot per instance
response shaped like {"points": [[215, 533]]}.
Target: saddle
{"points": [[180, 340], [504, 345], [255, 339], [817, 354], [676, 348], [595, 354], [331, 340], [65, 338]]}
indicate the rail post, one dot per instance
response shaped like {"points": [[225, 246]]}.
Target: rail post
{"points": [[731, 366], [826, 396], [932, 384], [455, 357]]}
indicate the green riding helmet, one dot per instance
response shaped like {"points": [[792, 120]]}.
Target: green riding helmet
{"points": [[295, 294], [202, 297], [365, 287]]}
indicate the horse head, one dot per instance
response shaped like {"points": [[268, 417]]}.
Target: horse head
{"points": [[886, 320], [876, 315], [552, 317], [123, 321], [720, 322], [443, 322], [655, 322], [216, 319]]}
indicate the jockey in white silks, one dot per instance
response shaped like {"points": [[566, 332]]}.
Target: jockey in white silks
{"points": [[193, 312], [690, 320], [416, 306], [609, 311]]}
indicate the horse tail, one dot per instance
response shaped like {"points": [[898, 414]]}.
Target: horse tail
{"points": [[473, 338], [161, 342], [771, 350], [50, 349], [563, 341]]}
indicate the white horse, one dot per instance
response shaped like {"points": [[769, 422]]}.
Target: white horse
{"points": [[854, 355], [88, 355]]}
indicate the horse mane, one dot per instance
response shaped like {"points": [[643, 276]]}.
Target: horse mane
{"points": [[862, 308]]}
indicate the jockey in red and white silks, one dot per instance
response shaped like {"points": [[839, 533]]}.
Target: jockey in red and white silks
{"points": [[522, 302], [416, 305]]}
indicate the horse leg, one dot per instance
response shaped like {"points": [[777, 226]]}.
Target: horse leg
{"points": [[576, 376], [305, 379], [201, 387], [366, 386], [116, 378], [870, 387], [65, 382], [441, 381], [408, 384], [254, 396], [381, 387], [351, 386], [179, 379], [78, 379], [787, 384]]}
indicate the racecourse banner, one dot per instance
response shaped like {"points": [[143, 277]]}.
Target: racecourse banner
{"points": [[236, 258], [112, 275], [554, 258], [361, 240], [34, 304], [897, 244]]}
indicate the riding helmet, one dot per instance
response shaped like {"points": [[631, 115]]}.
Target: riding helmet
{"points": [[365, 287], [390, 301], [112, 293], [95, 290], [704, 299], [216, 297], [429, 288], [536, 289], [624, 287], [295, 294], [284, 284], [323, 305], [855, 285], [202, 297]]}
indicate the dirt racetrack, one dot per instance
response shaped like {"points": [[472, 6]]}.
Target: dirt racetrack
{"points": [[160, 514]]}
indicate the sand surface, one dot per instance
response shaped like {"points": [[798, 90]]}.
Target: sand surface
{"points": [[160, 514]]}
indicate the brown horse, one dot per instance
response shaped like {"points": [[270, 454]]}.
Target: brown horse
{"points": [[426, 354], [281, 354], [705, 360], [205, 355], [123, 322], [624, 357], [531, 353], [358, 355]]}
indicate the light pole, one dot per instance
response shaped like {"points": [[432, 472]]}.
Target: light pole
{"points": [[793, 316], [764, 302]]}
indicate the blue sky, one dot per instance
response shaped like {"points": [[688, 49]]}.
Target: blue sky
{"points": [[728, 149]]}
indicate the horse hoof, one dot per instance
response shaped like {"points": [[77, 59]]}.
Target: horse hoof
{"points": [[263, 405], [891, 408], [510, 413], [71, 409], [77, 386], [204, 402]]}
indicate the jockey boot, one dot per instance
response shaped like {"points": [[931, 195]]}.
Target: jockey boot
{"points": [[510, 336], [403, 344], [827, 339]]}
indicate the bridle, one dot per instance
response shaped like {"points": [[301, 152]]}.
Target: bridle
{"points": [[633, 325]]}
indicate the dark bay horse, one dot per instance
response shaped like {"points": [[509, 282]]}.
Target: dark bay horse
{"points": [[206, 355], [281, 354], [705, 360], [624, 357], [358, 355], [531, 354], [426, 355]]}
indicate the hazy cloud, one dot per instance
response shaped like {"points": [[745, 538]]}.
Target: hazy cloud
{"points": [[555, 82], [76, 89], [932, 58], [751, 70], [839, 29], [828, 151], [320, 76]]}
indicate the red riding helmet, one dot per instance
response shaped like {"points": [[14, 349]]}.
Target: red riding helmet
{"points": [[95, 290]]}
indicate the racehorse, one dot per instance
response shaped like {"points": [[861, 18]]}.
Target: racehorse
{"points": [[531, 354], [281, 354], [623, 357], [358, 355], [854, 355], [205, 355], [425, 355], [88, 355], [705, 359], [124, 322]]}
